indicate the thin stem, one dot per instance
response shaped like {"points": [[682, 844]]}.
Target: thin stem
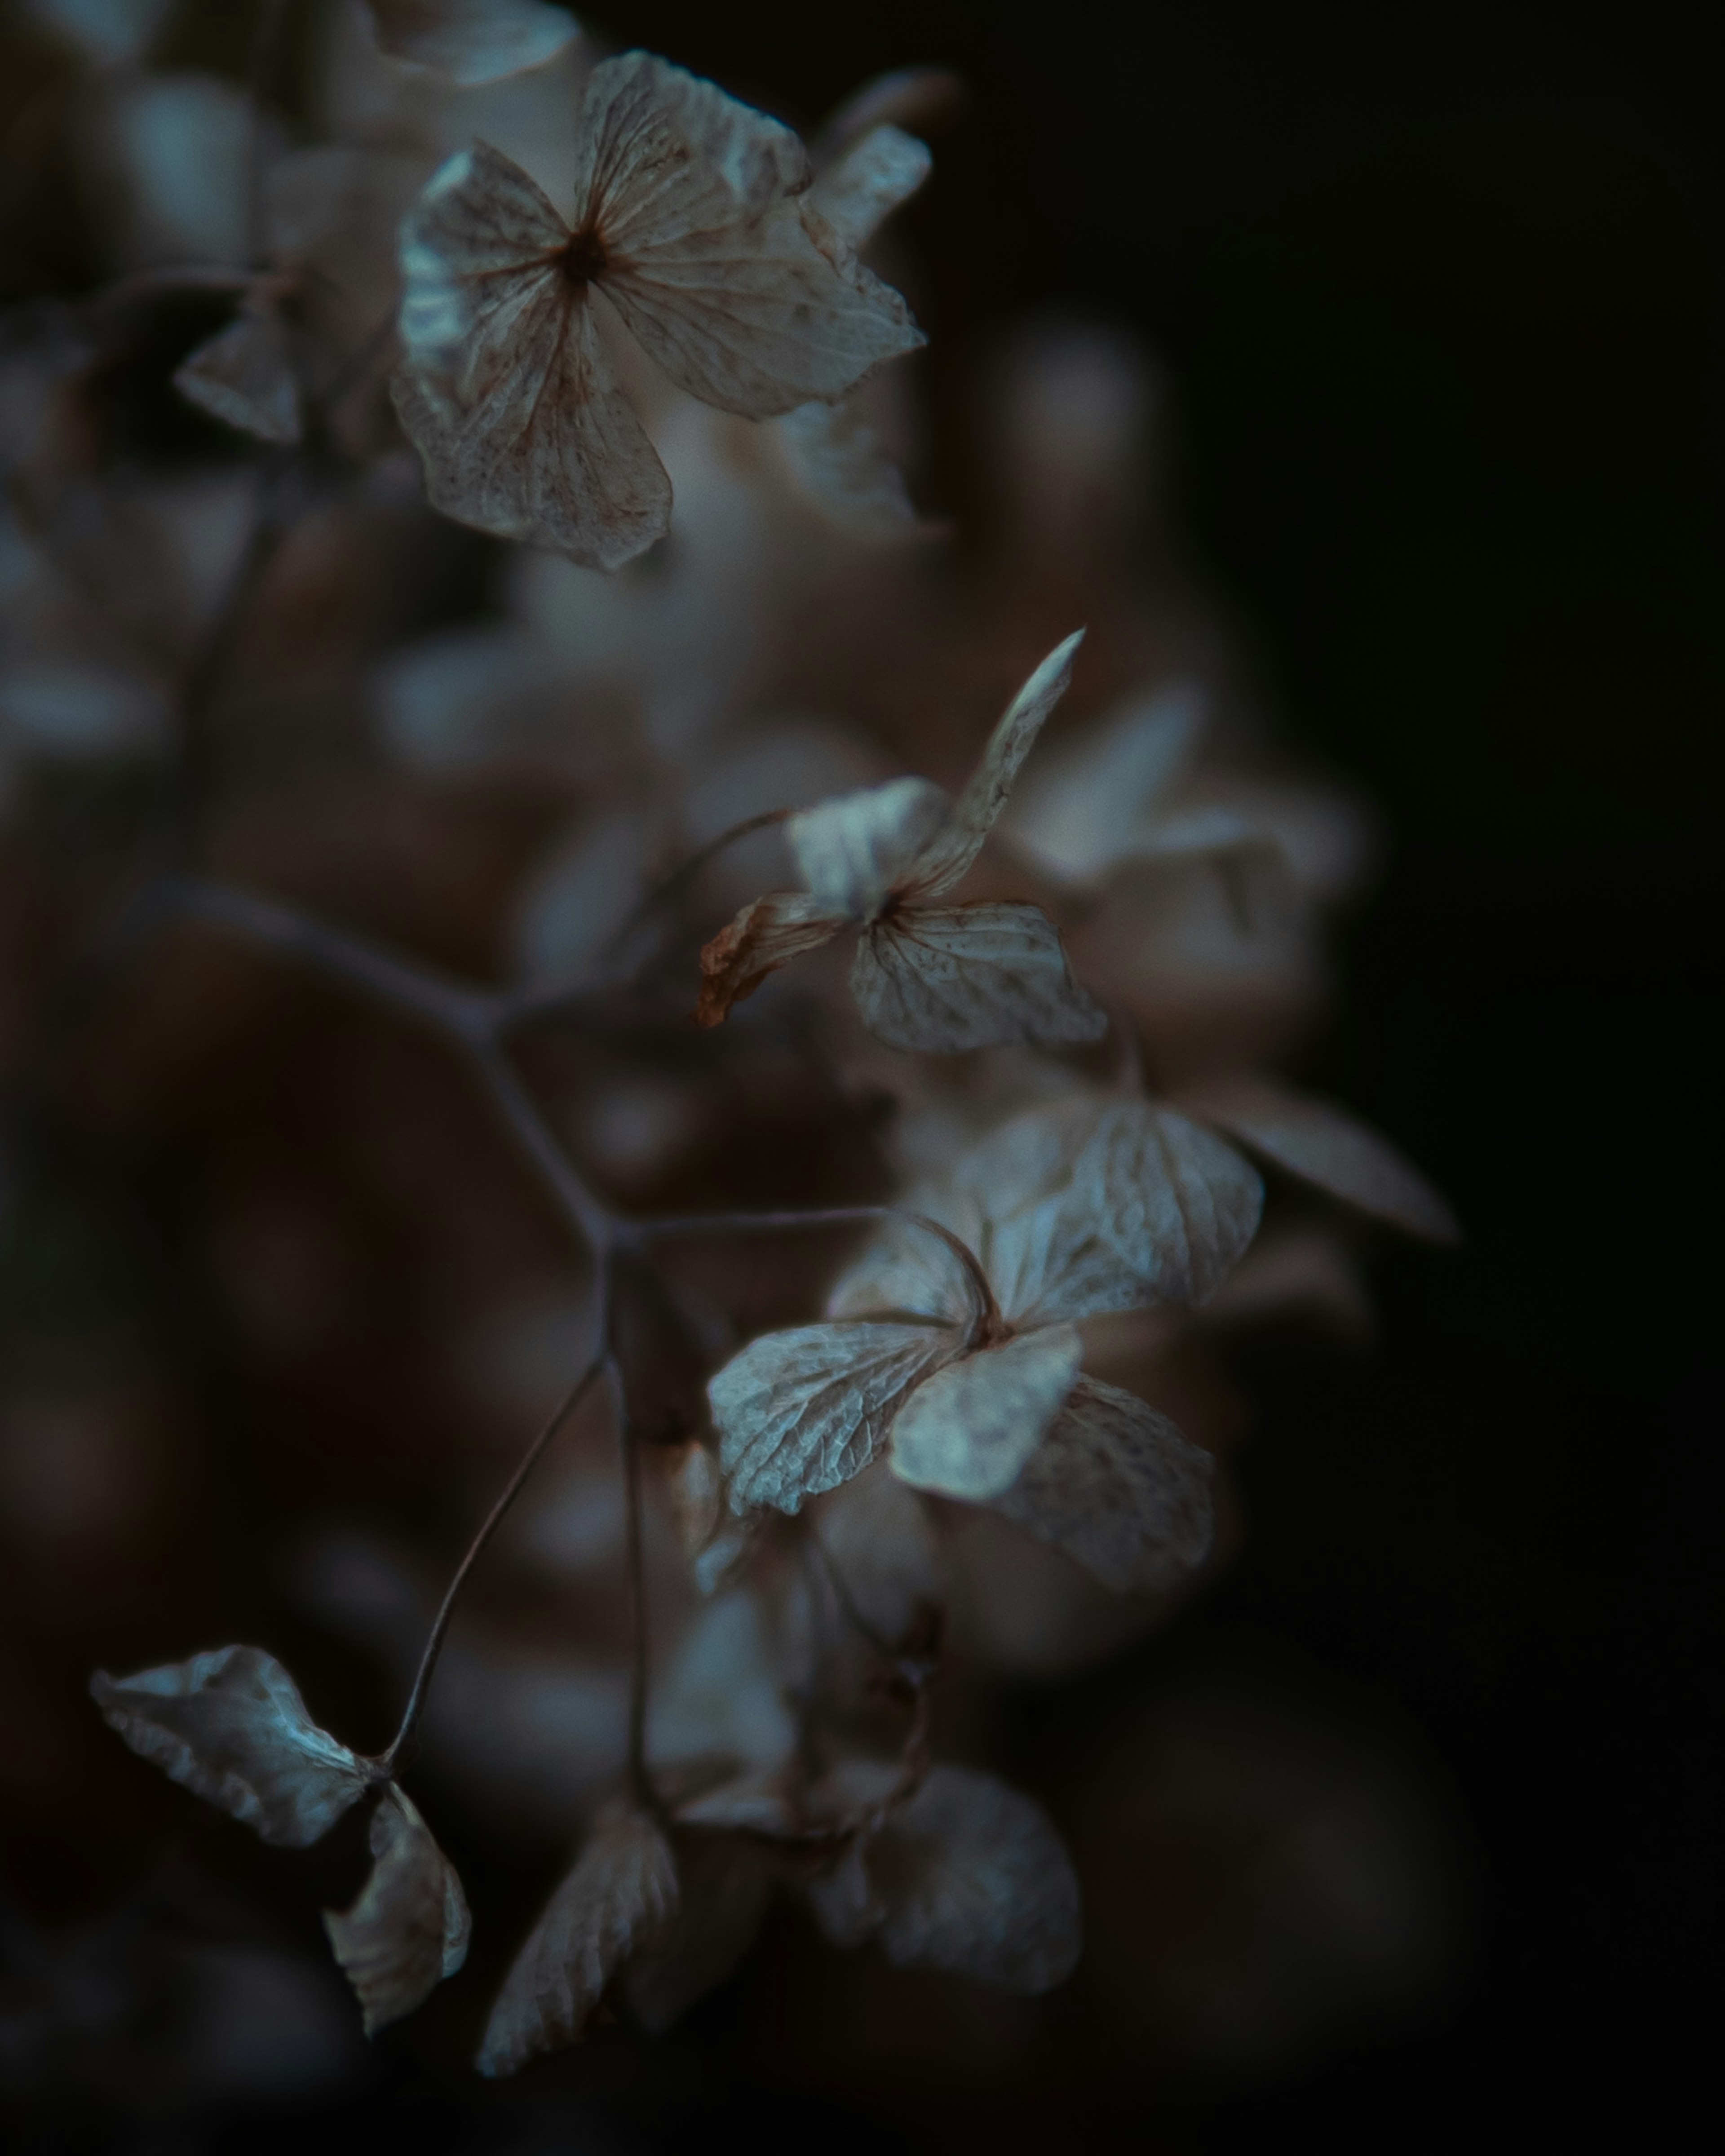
{"points": [[630, 1462], [389, 1760], [592, 1218]]}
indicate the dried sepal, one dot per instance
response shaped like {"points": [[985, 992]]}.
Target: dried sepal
{"points": [[766, 935], [230, 1725], [727, 1885], [1177, 1205], [1326, 1146], [968, 1430], [946, 979], [243, 376], [1115, 1485], [802, 1411], [409, 1929], [619, 1899], [470, 41]]}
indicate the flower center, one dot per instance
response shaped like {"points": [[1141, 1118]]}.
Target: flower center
{"points": [[585, 258]]}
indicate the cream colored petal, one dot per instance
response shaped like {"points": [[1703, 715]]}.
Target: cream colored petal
{"points": [[244, 376], [768, 934], [1325, 1145], [1115, 1485], [987, 976], [839, 467], [969, 1430], [470, 41], [857, 193], [852, 851], [408, 1930], [990, 784], [619, 1899], [1179, 1206], [801, 1411]]}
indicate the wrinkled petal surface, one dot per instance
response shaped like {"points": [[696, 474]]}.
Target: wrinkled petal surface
{"points": [[802, 1411], [229, 1724], [969, 1430], [991, 975], [471, 41], [768, 934], [619, 1897], [1178, 1205], [408, 1930], [244, 376], [852, 851], [1325, 1145], [1115, 1485]]}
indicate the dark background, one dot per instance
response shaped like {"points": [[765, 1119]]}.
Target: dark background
{"points": [[1443, 303]]}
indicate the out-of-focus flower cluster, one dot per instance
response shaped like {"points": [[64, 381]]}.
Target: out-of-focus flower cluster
{"points": [[460, 509]]}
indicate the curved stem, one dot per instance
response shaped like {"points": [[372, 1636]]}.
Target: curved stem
{"points": [[389, 1761], [630, 1460]]}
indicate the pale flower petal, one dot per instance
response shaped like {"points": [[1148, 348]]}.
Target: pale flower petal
{"points": [[969, 1430], [471, 41], [727, 1886], [244, 376], [229, 1724], [744, 296], [1325, 1145], [408, 1930], [1115, 1485], [861, 188], [1179, 1206], [840, 468], [1090, 802], [619, 1898], [765, 936], [991, 975], [802, 1411], [852, 851], [905, 1270], [990, 784]]}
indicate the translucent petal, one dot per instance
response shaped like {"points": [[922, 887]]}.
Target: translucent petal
{"points": [[840, 469], [851, 851], [801, 1411], [617, 1901], [244, 376], [747, 298], [1115, 1485], [765, 936], [229, 1724], [955, 978], [1325, 1145], [408, 1930], [857, 193], [969, 1430], [990, 784], [471, 41], [1178, 1205]]}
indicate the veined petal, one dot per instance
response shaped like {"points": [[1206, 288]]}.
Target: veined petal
{"points": [[244, 376], [861, 189], [1178, 1205], [408, 1930], [1115, 1485], [480, 231], [802, 1411], [969, 1430], [766, 935], [986, 793], [906, 1269], [852, 851], [946, 979], [1324, 1145], [471, 41]]}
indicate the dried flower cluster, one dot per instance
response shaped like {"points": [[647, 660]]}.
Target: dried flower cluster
{"points": [[820, 1521]]}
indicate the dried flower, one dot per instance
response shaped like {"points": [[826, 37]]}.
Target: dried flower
{"points": [[470, 41]]}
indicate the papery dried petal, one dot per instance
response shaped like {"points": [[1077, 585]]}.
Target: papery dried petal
{"points": [[244, 376], [852, 851], [991, 975], [619, 1899], [1325, 1145], [986, 793], [230, 1725], [408, 1930], [766, 935], [840, 468], [862, 187], [1178, 1205], [1090, 801], [727, 1886], [802, 1411], [1115, 1485], [967, 1876], [907, 1271], [969, 1430], [745, 298], [471, 41]]}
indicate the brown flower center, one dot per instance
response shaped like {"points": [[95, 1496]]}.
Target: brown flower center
{"points": [[585, 258]]}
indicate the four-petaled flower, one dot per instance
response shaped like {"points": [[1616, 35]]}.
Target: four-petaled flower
{"points": [[939, 978]]}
